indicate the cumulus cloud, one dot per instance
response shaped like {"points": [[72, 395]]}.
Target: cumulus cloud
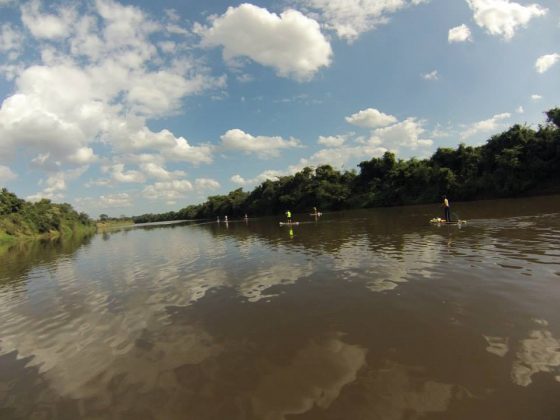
{"points": [[119, 174], [291, 43], [459, 33], [350, 18], [269, 174], [46, 25], [405, 134], [371, 118], [115, 200], [153, 170], [263, 146], [485, 126], [332, 141], [520, 110], [503, 17], [6, 174], [100, 78], [11, 40], [108, 201], [536, 97], [56, 184], [340, 156], [169, 191], [206, 184], [433, 75], [387, 134], [545, 62]]}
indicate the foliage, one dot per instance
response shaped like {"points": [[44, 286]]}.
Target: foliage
{"points": [[518, 161], [21, 218]]}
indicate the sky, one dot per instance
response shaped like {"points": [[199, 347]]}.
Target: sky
{"points": [[129, 107]]}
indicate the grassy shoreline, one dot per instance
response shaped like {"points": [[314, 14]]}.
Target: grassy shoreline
{"points": [[113, 224]]}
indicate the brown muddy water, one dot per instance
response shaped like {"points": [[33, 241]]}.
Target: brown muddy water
{"points": [[360, 315]]}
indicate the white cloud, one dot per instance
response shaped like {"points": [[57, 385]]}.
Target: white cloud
{"points": [[47, 26], [170, 190], [206, 184], [238, 179], [82, 156], [182, 151], [262, 146], [114, 200], [99, 79], [485, 126], [459, 33], [340, 156], [520, 110], [56, 184], [371, 118], [545, 62], [405, 134], [536, 97], [291, 43], [433, 75], [503, 17], [10, 39], [119, 174], [269, 174], [342, 150], [6, 174], [117, 200], [332, 141], [153, 170], [350, 18]]}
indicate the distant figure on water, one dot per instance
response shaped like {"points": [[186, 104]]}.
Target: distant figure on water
{"points": [[289, 216], [446, 209], [218, 219], [225, 219], [246, 217]]}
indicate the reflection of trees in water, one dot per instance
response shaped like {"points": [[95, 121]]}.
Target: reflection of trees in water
{"points": [[17, 260], [123, 230]]}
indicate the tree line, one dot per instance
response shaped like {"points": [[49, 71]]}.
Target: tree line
{"points": [[22, 218], [518, 161]]}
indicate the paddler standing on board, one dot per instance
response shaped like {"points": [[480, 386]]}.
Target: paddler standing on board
{"points": [[446, 209], [289, 216]]}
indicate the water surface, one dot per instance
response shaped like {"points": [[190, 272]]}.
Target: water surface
{"points": [[370, 314]]}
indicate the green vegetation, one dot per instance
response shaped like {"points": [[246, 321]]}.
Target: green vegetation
{"points": [[518, 161], [22, 219], [106, 222]]}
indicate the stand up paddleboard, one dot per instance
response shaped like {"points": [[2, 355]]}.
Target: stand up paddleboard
{"points": [[438, 221], [289, 223]]}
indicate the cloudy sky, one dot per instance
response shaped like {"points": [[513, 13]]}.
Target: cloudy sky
{"points": [[138, 106]]}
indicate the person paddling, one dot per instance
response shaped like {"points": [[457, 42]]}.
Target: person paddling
{"points": [[446, 209], [289, 216]]}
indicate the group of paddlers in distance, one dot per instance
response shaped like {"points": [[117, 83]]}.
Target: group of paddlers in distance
{"points": [[316, 213]]}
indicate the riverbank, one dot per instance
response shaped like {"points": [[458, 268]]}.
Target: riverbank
{"points": [[113, 224], [21, 220]]}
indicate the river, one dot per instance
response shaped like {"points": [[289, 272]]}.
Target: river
{"points": [[369, 314]]}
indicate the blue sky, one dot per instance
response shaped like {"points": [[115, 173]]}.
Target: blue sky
{"points": [[131, 107]]}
